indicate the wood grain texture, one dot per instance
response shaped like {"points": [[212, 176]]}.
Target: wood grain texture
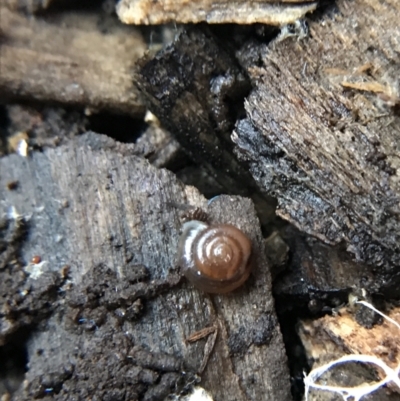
{"points": [[115, 220], [327, 151], [213, 12], [195, 87], [314, 267], [161, 148], [70, 59], [331, 337]]}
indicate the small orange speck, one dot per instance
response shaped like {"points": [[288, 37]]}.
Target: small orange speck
{"points": [[36, 259]]}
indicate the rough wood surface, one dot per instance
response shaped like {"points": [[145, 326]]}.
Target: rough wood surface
{"points": [[381, 340], [71, 58], [177, 88], [213, 11], [330, 337], [196, 89], [30, 6], [316, 268], [329, 151], [120, 313], [42, 126], [160, 147]]}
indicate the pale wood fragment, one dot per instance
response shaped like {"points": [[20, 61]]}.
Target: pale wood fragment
{"points": [[270, 12], [342, 330], [69, 60], [30, 6], [330, 337]]}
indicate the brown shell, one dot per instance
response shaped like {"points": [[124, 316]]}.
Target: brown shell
{"points": [[216, 258]]}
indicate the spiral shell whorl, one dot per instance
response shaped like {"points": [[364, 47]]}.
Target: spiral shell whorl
{"points": [[218, 253], [215, 258]]}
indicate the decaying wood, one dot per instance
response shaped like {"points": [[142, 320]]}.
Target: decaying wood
{"points": [[68, 59], [30, 6], [213, 11], [162, 150], [42, 126], [194, 87], [159, 146], [331, 337], [211, 334], [177, 87], [382, 340], [201, 178], [277, 253], [120, 312], [203, 333], [326, 149], [314, 267]]}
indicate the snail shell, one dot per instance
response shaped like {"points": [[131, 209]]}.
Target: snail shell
{"points": [[215, 258]]}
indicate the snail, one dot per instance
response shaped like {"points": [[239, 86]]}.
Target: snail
{"points": [[215, 258]]}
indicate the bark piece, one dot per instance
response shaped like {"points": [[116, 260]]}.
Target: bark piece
{"points": [[114, 220], [34, 6], [277, 253], [331, 337], [195, 88], [161, 148], [315, 268], [191, 86], [43, 126], [70, 59], [328, 152], [213, 12], [30, 6], [382, 340], [53, 126], [199, 177]]}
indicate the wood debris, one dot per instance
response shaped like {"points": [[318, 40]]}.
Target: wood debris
{"points": [[198, 335], [69, 60], [120, 240], [327, 151], [148, 12], [209, 346], [341, 334]]}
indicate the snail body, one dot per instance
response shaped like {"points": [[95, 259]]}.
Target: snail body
{"points": [[215, 258]]}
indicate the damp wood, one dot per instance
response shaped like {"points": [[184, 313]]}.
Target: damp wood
{"points": [[323, 132], [106, 294]]}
